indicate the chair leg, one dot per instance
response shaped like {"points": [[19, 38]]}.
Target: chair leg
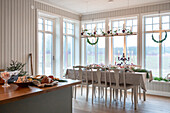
{"points": [[102, 92], [105, 96], [98, 92], [81, 89], [132, 96], [116, 94], [92, 93], [120, 94], [135, 97], [72, 91], [95, 92], [113, 93], [110, 96], [144, 96], [87, 92], [75, 92], [124, 99], [139, 93]]}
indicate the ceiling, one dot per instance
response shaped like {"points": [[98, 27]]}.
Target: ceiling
{"points": [[94, 6]]}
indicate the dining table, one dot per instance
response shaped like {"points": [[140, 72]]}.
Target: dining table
{"points": [[134, 78]]}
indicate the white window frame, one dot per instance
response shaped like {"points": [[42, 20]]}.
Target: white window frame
{"points": [[160, 31], [125, 38], [43, 31], [66, 34], [85, 42]]}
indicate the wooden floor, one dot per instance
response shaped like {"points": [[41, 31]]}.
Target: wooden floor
{"points": [[153, 104]]}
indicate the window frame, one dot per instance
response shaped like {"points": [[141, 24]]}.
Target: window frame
{"points": [[125, 37], [160, 31], [53, 46], [66, 35], [96, 46]]}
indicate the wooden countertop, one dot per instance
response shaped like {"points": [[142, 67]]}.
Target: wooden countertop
{"points": [[14, 92]]}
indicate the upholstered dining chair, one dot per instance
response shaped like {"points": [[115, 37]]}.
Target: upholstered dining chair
{"points": [[118, 85], [84, 79]]}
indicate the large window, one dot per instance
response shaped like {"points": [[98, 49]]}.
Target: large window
{"points": [[45, 45], [157, 55], [68, 44], [95, 53], [124, 44]]}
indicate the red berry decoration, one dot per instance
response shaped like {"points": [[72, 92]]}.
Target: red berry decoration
{"points": [[108, 32], [123, 31], [82, 33], [94, 32], [116, 33]]}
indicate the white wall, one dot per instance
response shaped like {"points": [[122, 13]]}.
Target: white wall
{"points": [[17, 29]]}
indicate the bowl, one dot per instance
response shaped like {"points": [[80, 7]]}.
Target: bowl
{"points": [[25, 84]]}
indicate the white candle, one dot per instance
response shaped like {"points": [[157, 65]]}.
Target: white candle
{"points": [[95, 28], [118, 53], [82, 29], [131, 28], [108, 27], [128, 54], [123, 26]]}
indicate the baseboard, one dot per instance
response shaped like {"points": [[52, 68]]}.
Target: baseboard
{"points": [[159, 93]]}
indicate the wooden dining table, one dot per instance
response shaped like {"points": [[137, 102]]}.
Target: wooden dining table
{"points": [[134, 78]]}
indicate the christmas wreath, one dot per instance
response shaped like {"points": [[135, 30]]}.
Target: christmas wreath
{"points": [[94, 42], [160, 41]]}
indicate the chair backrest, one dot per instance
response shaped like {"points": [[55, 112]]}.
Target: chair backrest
{"points": [[117, 74], [79, 68], [99, 75]]}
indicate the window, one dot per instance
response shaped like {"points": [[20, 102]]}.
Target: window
{"points": [[157, 56], [68, 44], [45, 45], [95, 53], [124, 44]]}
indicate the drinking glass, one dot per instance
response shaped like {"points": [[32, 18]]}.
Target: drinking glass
{"points": [[5, 76]]}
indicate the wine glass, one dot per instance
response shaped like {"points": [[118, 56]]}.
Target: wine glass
{"points": [[5, 76]]}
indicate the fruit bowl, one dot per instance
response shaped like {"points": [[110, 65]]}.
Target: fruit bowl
{"points": [[24, 84]]}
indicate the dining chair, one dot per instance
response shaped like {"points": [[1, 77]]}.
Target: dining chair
{"points": [[118, 85], [99, 83], [84, 79]]}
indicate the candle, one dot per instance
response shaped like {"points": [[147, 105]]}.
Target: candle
{"points": [[123, 26], [95, 29], [115, 60], [108, 27], [82, 28], [131, 28], [118, 53], [117, 28], [128, 54]]}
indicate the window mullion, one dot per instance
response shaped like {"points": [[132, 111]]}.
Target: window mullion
{"points": [[160, 47], [44, 48]]}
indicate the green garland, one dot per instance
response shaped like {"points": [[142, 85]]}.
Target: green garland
{"points": [[94, 42], [160, 41]]}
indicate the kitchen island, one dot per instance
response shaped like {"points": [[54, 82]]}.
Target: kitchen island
{"points": [[55, 99]]}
